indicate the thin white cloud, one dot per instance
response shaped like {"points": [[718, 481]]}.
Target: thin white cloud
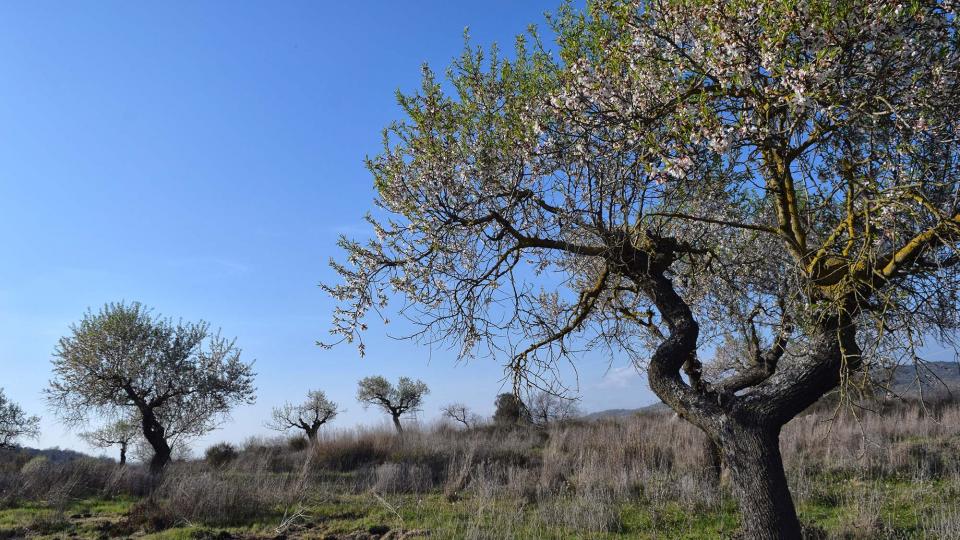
{"points": [[620, 377]]}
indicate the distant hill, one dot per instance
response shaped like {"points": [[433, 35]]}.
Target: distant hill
{"points": [[55, 455], [11, 459], [932, 379], [624, 413], [929, 379]]}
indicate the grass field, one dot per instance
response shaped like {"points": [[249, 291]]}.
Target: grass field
{"points": [[890, 476]]}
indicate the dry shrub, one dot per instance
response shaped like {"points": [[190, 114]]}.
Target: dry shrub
{"points": [[585, 514], [403, 478], [347, 451], [220, 454]]}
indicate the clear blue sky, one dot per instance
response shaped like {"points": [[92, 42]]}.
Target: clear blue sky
{"points": [[202, 157]]}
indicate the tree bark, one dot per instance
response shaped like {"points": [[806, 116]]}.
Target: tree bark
{"points": [[396, 423], [752, 456], [714, 465], [312, 434], [123, 453], [154, 433], [161, 456]]}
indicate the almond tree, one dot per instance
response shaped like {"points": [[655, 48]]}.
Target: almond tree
{"points": [[308, 416], [547, 407], [119, 433], [178, 380], [458, 412], [678, 173], [15, 424], [406, 397]]}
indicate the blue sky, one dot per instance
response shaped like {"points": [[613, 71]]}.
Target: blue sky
{"points": [[202, 157]]}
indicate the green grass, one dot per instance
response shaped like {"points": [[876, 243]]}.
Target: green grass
{"points": [[842, 505], [81, 518]]}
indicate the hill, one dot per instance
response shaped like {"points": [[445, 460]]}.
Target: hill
{"points": [[930, 379]]}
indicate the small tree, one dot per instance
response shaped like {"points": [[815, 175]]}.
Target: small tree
{"points": [[316, 411], [396, 401], [120, 433], [14, 423], [547, 408], [178, 380], [459, 412], [510, 410]]}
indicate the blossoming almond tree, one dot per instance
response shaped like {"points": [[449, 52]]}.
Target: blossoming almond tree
{"points": [[308, 416], [680, 172], [15, 424], [175, 380]]}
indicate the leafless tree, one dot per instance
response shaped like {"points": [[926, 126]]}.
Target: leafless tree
{"points": [[119, 433], [784, 172], [308, 416], [547, 408], [459, 412], [15, 424], [406, 397], [177, 379]]}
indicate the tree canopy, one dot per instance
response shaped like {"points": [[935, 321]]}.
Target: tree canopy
{"points": [[118, 433], [308, 416], [15, 424], [179, 380], [404, 398]]}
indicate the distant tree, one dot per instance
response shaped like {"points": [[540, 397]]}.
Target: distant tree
{"points": [[396, 401], [14, 423], [510, 410], [119, 433], [459, 412], [308, 416], [548, 407], [176, 379]]}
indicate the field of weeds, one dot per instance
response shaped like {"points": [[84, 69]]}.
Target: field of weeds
{"points": [[895, 475]]}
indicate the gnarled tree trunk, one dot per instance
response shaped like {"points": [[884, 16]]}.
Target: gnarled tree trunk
{"points": [[396, 423], [744, 417], [154, 433]]}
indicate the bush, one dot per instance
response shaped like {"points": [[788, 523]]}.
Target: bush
{"points": [[221, 454], [298, 444]]}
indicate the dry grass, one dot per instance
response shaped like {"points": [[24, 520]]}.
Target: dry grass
{"points": [[646, 473]]}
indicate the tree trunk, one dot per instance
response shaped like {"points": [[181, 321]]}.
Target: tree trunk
{"points": [[123, 453], [154, 433], [161, 456], [396, 424], [312, 434], [752, 456], [747, 428]]}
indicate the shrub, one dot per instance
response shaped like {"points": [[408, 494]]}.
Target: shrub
{"points": [[221, 454], [298, 444]]}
